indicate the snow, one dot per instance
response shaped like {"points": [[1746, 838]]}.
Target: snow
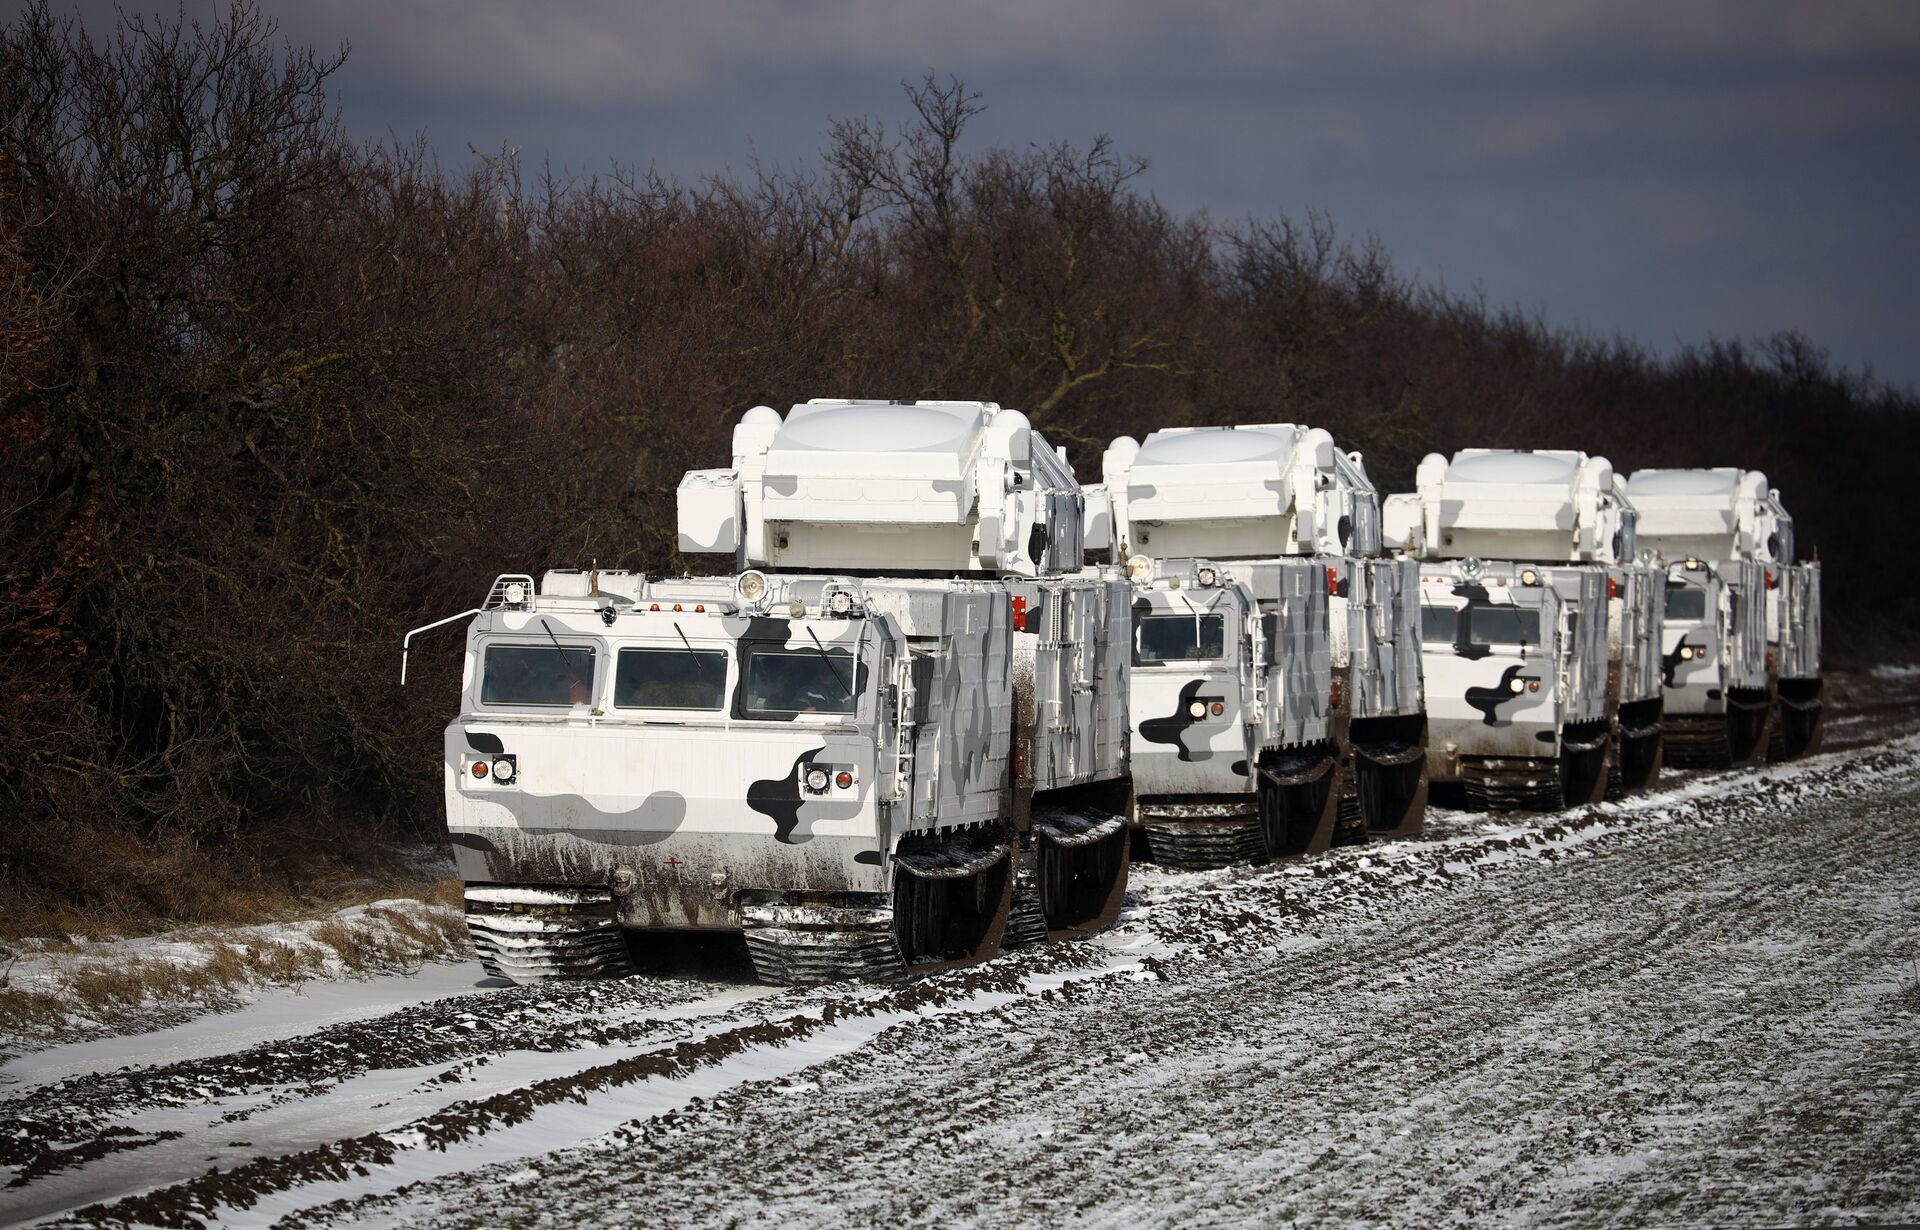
{"points": [[1700, 1006]]}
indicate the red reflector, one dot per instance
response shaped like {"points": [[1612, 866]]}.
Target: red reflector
{"points": [[1218, 708], [676, 606], [1613, 589], [843, 780], [1019, 614], [479, 768], [698, 609], [1333, 581], [654, 607]]}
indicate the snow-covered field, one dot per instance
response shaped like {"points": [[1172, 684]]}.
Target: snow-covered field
{"points": [[1701, 1007]]}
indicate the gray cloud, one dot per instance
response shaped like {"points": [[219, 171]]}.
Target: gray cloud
{"points": [[1673, 171]]}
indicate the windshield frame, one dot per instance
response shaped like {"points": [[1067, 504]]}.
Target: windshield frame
{"points": [[484, 677], [844, 661], [1195, 619], [1692, 591], [1519, 615], [703, 651]]}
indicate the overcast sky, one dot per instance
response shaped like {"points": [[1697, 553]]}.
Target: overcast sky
{"points": [[1671, 170]]}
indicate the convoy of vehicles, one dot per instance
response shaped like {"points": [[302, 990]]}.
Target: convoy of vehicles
{"points": [[913, 725]]}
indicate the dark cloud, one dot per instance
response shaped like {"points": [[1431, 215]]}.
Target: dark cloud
{"points": [[1671, 171]]}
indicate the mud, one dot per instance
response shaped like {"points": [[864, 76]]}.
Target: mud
{"points": [[1700, 1007]]}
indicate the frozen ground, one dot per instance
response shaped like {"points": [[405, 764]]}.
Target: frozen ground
{"points": [[1699, 1008]]}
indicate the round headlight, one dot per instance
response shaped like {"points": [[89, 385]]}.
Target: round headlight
{"points": [[516, 594], [841, 602], [1518, 685], [1140, 568], [1686, 653], [1529, 577], [752, 585], [503, 770], [1208, 576], [816, 779], [1197, 709]]}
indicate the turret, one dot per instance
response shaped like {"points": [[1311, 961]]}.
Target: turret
{"points": [[1254, 492], [1714, 515], [1547, 506], [929, 486]]}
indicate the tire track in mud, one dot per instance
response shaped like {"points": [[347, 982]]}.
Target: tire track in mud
{"points": [[1316, 986], [1596, 1039], [63, 1123]]}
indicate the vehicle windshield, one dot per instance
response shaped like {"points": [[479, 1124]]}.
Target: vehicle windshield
{"points": [[1437, 624], [537, 675], [782, 682], [677, 678], [1686, 603], [1505, 625], [1179, 638]]}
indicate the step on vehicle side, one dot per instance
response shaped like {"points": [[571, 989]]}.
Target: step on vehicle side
{"points": [[1516, 553], [1330, 667], [893, 741], [1743, 619]]}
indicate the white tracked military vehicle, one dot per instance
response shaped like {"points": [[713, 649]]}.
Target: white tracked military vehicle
{"points": [[836, 752], [1515, 623], [1276, 665], [1742, 646]]}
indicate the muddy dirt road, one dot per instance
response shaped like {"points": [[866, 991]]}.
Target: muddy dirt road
{"points": [[1702, 1007]]}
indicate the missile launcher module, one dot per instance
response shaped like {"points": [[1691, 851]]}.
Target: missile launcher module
{"points": [[1539, 626], [1742, 641], [1276, 669]]}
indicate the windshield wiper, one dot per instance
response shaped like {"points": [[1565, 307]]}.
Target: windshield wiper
{"points": [[573, 679], [822, 651], [689, 644]]}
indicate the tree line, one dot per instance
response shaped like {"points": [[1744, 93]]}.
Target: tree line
{"points": [[269, 396]]}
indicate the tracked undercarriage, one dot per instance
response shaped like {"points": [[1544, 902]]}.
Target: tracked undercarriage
{"points": [[1799, 720], [1577, 776], [1735, 739], [955, 903], [531, 933], [1639, 746], [1388, 761]]}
